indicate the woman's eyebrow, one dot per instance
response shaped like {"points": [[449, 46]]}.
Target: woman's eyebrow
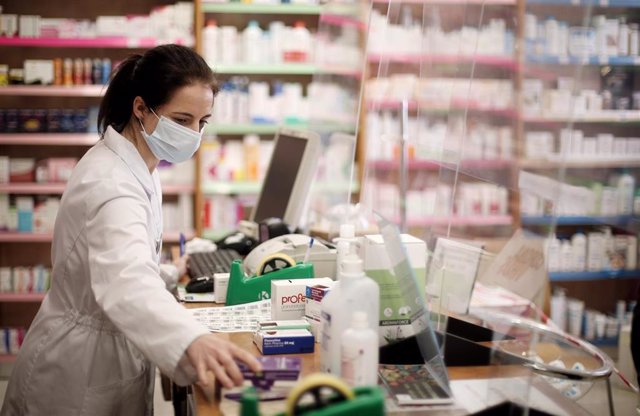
{"points": [[182, 114]]}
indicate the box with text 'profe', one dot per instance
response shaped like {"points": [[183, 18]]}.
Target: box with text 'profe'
{"points": [[288, 296], [313, 306]]}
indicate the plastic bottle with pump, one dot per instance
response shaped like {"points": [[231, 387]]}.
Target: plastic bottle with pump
{"points": [[354, 292], [359, 352]]}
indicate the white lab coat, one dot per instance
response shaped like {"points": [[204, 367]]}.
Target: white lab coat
{"points": [[108, 318]]}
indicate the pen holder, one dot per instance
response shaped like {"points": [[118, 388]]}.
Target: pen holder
{"points": [[245, 289]]}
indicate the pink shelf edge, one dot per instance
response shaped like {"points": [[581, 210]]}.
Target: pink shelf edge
{"points": [[54, 90], [434, 164], [339, 20], [82, 139], [98, 42], [7, 358], [452, 105], [17, 237], [21, 297], [58, 188], [462, 221], [497, 60]]}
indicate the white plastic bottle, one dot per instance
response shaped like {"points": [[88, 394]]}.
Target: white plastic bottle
{"points": [[355, 292], [252, 43], [553, 254], [632, 253], [299, 44], [626, 188], [566, 256], [559, 308], [579, 248], [211, 43], [345, 244], [359, 352]]}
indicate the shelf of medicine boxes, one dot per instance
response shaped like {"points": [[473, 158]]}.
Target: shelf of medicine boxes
{"points": [[499, 61], [58, 188], [453, 105], [257, 128], [470, 221], [596, 3], [53, 139], [257, 8], [100, 42], [618, 220], [19, 237], [246, 187], [416, 164], [54, 90], [599, 275]]}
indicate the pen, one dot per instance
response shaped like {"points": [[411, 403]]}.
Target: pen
{"points": [[308, 252], [182, 241]]}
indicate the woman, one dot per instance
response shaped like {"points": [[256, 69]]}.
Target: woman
{"points": [[108, 318]]}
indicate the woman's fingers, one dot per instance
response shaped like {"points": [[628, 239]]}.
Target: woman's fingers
{"points": [[232, 368], [201, 369], [220, 373], [248, 359]]}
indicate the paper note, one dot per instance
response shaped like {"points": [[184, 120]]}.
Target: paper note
{"points": [[236, 318]]}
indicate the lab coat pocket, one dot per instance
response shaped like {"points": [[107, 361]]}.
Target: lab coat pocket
{"points": [[126, 397]]}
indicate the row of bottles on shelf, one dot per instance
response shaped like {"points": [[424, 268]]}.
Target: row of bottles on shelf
{"points": [[573, 145], [618, 196], [471, 200], [58, 71], [27, 170], [235, 160], [435, 137], [242, 101], [483, 93], [595, 251], [167, 23], [51, 120], [410, 37], [26, 279], [37, 214], [606, 37], [615, 93], [11, 340], [569, 314], [279, 44], [222, 213]]}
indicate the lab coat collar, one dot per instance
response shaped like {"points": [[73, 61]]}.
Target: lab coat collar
{"points": [[131, 157]]}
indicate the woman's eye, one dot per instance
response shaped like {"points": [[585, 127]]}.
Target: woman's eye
{"points": [[182, 121], [203, 123]]}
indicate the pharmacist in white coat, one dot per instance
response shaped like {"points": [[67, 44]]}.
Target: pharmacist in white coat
{"points": [[108, 319]]}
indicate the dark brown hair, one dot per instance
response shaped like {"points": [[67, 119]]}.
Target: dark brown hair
{"points": [[154, 76]]}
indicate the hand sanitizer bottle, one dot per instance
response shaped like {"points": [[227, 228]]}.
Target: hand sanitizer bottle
{"points": [[360, 352]]}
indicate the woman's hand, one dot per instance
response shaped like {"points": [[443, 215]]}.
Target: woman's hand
{"points": [[213, 353]]}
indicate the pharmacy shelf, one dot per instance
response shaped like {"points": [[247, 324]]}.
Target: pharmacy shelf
{"points": [[99, 42], [342, 20], [249, 128], [488, 60], [476, 221], [612, 116], [53, 139], [435, 165], [22, 297], [579, 164], [454, 2], [54, 91], [248, 8], [620, 220], [592, 60], [17, 237], [597, 3], [7, 358], [600, 275], [453, 105], [58, 188], [252, 188], [269, 69]]}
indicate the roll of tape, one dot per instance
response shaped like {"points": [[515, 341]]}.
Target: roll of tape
{"points": [[274, 262], [313, 385]]}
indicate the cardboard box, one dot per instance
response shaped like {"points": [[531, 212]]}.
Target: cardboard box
{"points": [[292, 341], [313, 299], [395, 316], [283, 325], [220, 285], [288, 296]]}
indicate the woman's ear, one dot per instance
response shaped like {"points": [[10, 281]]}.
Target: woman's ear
{"points": [[139, 108]]}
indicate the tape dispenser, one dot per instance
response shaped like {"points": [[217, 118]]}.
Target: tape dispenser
{"points": [[245, 289], [329, 395]]}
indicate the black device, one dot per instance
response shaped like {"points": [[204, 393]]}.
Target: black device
{"points": [[207, 263], [238, 242], [200, 284]]}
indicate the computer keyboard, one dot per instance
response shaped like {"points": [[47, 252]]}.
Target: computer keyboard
{"points": [[210, 262]]}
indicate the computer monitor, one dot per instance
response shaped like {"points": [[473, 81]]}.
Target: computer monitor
{"points": [[286, 184]]}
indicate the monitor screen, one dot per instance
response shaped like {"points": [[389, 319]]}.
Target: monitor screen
{"points": [[281, 177]]}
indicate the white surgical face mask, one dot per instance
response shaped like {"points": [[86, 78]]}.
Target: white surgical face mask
{"points": [[170, 141]]}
